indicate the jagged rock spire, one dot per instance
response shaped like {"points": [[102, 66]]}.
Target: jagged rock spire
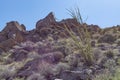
{"points": [[47, 21]]}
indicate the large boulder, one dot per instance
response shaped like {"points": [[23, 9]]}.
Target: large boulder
{"points": [[7, 44], [19, 37], [12, 34], [13, 26], [46, 22], [45, 26]]}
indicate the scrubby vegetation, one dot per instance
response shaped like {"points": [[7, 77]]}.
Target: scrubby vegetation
{"points": [[69, 51], [82, 41]]}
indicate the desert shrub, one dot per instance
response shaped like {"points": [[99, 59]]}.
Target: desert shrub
{"points": [[115, 30], [110, 65], [93, 43], [18, 79], [10, 70], [5, 58], [96, 36], [60, 67], [109, 54], [107, 38], [82, 43], [118, 43], [66, 46], [45, 69], [118, 61], [98, 55], [102, 77], [36, 76], [108, 76], [72, 60]]}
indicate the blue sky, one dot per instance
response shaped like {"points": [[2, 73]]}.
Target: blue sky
{"points": [[104, 13]]}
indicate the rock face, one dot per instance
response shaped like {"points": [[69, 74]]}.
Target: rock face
{"points": [[7, 44], [44, 26], [11, 35], [3, 37], [13, 26], [46, 22], [49, 25], [48, 52]]}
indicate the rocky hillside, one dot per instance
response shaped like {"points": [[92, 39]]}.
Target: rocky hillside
{"points": [[50, 52]]}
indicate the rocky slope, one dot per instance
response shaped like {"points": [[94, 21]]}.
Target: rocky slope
{"points": [[48, 52]]}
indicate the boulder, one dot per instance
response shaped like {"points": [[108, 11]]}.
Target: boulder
{"points": [[11, 35], [7, 44], [46, 22], [45, 26], [19, 37], [13, 26]]}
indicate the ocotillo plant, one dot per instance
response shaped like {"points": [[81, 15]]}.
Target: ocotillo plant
{"points": [[83, 44]]}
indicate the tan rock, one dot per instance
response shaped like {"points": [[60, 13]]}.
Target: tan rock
{"points": [[46, 22], [14, 39], [19, 37], [13, 26], [7, 44], [23, 28]]}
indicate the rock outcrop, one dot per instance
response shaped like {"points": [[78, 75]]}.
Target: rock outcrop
{"points": [[46, 22], [13, 26], [7, 44], [48, 52], [11, 35], [44, 26], [49, 25]]}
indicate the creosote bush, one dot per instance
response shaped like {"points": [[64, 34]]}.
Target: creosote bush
{"points": [[109, 76], [107, 38], [82, 43], [118, 43], [109, 54]]}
